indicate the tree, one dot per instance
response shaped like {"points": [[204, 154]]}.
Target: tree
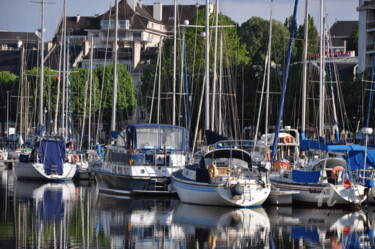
{"points": [[8, 82], [126, 96], [255, 32], [353, 41], [78, 80], [313, 40]]}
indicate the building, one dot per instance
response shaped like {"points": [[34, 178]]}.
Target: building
{"points": [[340, 33], [141, 28], [366, 34]]}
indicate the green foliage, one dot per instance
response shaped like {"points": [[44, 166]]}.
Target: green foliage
{"points": [[353, 41], [126, 95], [78, 79], [50, 84], [255, 33], [7, 78], [313, 40]]}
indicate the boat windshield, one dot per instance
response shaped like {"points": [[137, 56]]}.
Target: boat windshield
{"points": [[147, 138], [168, 138], [171, 138]]}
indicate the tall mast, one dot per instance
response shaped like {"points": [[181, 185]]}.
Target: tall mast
{"points": [[174, 64], [214, 68], [321, 75], [304, 70], [41, 85], [207, 73], [268, 74], [114, 97]]}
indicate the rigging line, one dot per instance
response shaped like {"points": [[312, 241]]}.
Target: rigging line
{"points": [[333, 95]]}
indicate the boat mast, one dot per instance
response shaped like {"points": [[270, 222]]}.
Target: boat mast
{"points": [[268, 76], [285, 83], [41, 85], [114, 97], [214, 69], [304, 70], [207, 73], [174, 63], [321, 75]]}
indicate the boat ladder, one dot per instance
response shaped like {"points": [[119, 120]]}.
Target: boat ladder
{"points": [[246, 193], [160, 183]]}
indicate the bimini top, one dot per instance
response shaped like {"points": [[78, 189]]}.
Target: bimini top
{"points": [[354, 154], [316, 145], [156, 137], [230, 153]]}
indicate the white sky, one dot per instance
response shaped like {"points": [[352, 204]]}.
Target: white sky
{"points": [[24, 15]]}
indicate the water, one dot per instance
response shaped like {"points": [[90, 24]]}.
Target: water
{"points": [[74, 215]]}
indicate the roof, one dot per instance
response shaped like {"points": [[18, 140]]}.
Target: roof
{"points": [[184, 12], [77, 25], [343, 28], [9, 37]]}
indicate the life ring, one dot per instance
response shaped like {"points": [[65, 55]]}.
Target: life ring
{"points": [[335, 172], [212, 171], [281, 165], [287, 140]]}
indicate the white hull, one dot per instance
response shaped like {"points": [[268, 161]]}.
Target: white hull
{"points": [[35, 171], [323, 194], [280, 197], [219, 194]]}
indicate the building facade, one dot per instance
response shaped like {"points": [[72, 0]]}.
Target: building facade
{"points": [[366, 34]]}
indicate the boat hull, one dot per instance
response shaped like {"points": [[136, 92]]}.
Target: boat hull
{"points": [[35, 171], [218, 194], [134, 184], [322, 194]]}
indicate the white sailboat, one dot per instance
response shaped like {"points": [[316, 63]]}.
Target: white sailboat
{"points": [[224, 177], [48, 160]]}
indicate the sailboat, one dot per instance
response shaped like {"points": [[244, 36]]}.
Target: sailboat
{"points": [[48, 159], [328, 179], [224, 176], [143, 156]]}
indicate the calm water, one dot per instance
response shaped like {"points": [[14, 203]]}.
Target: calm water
{"points": [[74, 215]]}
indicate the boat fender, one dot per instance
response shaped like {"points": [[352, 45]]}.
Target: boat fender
{"points": [[287, 140], [347, 183], [336, 171], [236, 189], [212, 171], [77, 159]]}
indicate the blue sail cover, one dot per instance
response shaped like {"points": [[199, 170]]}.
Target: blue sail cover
{"points": [[356, 161], [305, 176], [52, 153]]}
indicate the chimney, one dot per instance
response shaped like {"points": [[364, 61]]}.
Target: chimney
{"points": [[78, 17], [132, 4], [158, 11]]}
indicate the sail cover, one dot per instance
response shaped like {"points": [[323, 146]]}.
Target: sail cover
{"points": [[52, 155]]}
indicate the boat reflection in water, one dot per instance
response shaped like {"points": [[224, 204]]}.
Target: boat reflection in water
{"points": [[220, 227], [299, 227], [43, 214], [138, 223]]}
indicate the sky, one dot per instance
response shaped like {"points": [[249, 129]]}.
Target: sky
{"points": [[24, 15]]}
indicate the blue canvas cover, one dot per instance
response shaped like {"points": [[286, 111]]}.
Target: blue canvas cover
{"points": [[355, 159], [305, 176], [52, 153], [310, 234], [53, 206]]}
